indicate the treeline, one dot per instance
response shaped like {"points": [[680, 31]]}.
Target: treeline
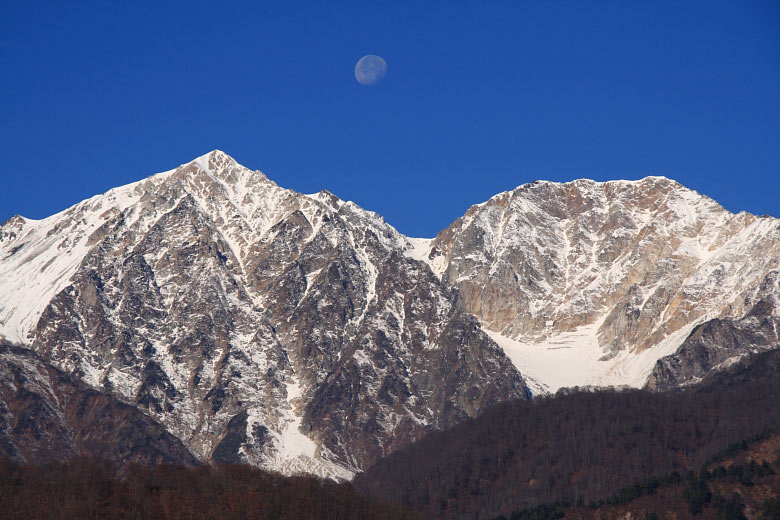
{"points": [[736, 447], [697, 493], [88, 488], [694, 489], [577, 448]]}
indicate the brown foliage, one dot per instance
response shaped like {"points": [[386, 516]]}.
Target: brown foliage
{"points": [[88, 488], [579, 447]]}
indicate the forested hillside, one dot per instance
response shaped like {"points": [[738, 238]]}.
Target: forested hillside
{"points": [[580, 447], [88, 488]]}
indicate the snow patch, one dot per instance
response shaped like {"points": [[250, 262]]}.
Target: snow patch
{"points": [[293, 442], [419, 249], [296, 453], [575, 358]]}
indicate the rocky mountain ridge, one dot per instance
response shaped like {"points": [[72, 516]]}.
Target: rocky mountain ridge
{"points": [[590, 283], [303, 333]]}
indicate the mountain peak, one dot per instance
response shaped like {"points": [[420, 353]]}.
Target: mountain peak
{"points": [[619, 272], [214, 160], [241, 315]]}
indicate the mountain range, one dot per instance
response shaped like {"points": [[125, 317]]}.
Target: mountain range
{"points": [[303, 333]]}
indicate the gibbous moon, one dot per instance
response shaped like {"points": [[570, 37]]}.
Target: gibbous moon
{"points": [[370, 70]]}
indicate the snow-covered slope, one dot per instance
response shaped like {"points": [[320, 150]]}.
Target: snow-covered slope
{"points": [[40, 256], [576, 359]]}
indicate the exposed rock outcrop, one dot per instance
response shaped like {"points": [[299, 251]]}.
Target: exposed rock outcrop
{"points": [[46, 415]]}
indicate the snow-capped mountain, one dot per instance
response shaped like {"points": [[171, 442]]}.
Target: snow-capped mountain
{"points": [[255, 323], [589, 283], [303, 333]]}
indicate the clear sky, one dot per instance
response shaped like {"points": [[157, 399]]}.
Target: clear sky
{"points": [[479, 97]]}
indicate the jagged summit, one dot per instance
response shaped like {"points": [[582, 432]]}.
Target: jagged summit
{"points": [[11, 227], [328, 198], [214, 154], [587, 185]]}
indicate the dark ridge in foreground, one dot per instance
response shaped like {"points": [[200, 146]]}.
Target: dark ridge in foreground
{"points": [[580, 447], [46, 415], [87, 488]]}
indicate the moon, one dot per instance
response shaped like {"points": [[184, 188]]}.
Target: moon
{"points": [[370, 70]]}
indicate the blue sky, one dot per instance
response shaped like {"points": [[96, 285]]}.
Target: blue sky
{"points": [[479, 97]]}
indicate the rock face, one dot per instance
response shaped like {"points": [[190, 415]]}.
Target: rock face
{"points": [[716, 344], [625, 269], [255, 323], [46, 415]]}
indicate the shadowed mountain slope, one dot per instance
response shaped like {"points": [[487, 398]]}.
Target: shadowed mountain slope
{"points": [[45, 415]]}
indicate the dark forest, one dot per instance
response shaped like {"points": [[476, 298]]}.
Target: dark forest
{"points": [[578, 447]]}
